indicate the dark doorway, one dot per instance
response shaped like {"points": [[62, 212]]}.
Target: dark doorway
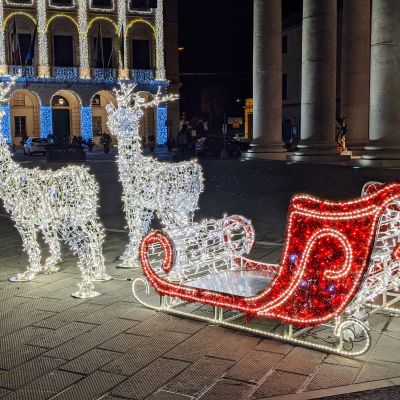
{"points": [[63, 51], [61, 125], [141, 54]]}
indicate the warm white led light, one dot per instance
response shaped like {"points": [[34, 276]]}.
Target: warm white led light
{"points": [[149, 186], [58, 204]]}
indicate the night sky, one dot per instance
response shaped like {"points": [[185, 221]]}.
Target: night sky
{"points": [[217, 36]]}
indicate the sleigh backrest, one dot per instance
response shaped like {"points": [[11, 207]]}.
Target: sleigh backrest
{"points": [[327, 252], [383, 272]]}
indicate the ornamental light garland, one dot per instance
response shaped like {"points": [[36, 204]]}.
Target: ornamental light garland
{"points": [[57, 204], [149, 186]]}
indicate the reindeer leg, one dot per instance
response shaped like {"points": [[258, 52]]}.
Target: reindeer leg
{"points": [[96, 239], [139, 224], [78, 239], [31, 246], [52, 240]]}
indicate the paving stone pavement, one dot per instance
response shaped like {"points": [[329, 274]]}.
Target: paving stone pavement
{"points": [[55, 347]]}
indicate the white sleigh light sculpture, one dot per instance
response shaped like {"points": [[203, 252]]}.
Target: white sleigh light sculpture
{"points": [[149, 186], [58, 204]]}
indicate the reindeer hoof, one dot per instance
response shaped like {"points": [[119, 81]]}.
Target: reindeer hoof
{"points": [[85, 294], [25, 277], [51, 270], [102, 277]]}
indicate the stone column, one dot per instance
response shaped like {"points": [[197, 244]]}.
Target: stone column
{"points": [[84, 70], [384, 120], [160, 61], [123, 73], [44, 68], [267, 79], [355, 67], [318, 81], [3, 61]]}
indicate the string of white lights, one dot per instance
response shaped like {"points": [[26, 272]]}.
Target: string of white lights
{"points": [[83, 37], [42, 36], [2, 37], [149, 186], [83, 26], [58, 204], [159, 33], [122, 24]]}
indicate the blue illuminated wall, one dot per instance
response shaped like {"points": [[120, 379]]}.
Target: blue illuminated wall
{"points": [[162, 132], [6, 123], [86, 123], [46, 121]]}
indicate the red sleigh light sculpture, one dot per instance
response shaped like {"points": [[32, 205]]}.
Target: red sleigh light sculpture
{"points": [[337, 258]]}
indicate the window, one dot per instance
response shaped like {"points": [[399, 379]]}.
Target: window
{"points": [[62, 3], [96, 101], [102, 4], [20, 126], [63, 51], [97, 126], [103, 54], [140, 4], [59, 101], [18, 99], [141, 54], [284, 87], [284, 44]]}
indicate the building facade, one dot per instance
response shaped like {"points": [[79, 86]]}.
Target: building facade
{"points": [[70, 54], [345, 65]]}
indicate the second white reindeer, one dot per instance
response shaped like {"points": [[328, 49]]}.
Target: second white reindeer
{"points": [[171, 190]]}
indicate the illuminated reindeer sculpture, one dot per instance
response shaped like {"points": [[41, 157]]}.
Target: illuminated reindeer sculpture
{"points": [[59, 204], [149, 186]]}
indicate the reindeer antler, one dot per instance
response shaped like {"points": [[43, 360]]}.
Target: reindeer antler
{"points": [[126, 93]]}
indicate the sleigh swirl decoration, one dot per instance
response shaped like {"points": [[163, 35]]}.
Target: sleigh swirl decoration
{"points": [[327, 275]]}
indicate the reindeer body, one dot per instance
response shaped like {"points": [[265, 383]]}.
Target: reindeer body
{"points": [[149, 187], [61, 205]]}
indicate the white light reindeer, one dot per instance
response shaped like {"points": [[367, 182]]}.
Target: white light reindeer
{"points": [[58, 204], [149, 186]]}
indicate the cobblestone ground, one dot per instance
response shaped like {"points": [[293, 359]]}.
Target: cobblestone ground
{"points": [[55, 347]]}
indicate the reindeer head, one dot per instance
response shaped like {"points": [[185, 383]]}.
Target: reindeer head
{"points": [[124, 120]]}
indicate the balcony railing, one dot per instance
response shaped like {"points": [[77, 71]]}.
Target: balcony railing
{"points": [[69, 74], [142, 75], [104, 74], [22, 70]]}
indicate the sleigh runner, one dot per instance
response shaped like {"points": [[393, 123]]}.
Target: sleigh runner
{"points": [[338, 259]]}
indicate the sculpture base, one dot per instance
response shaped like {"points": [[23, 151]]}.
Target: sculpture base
{"points": [[102, 278], [85, 295], [19, 278]]}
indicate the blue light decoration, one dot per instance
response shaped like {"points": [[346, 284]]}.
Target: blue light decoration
{"points": [[46, 121], [86, 123], [162, 130], [6, 123]]}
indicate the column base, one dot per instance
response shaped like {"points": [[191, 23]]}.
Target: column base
{"points": [[44, 72], [84, 73], [357, 149], [317, 153], [383, 152], [267, 152], [123, 74], [3, 69]]}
